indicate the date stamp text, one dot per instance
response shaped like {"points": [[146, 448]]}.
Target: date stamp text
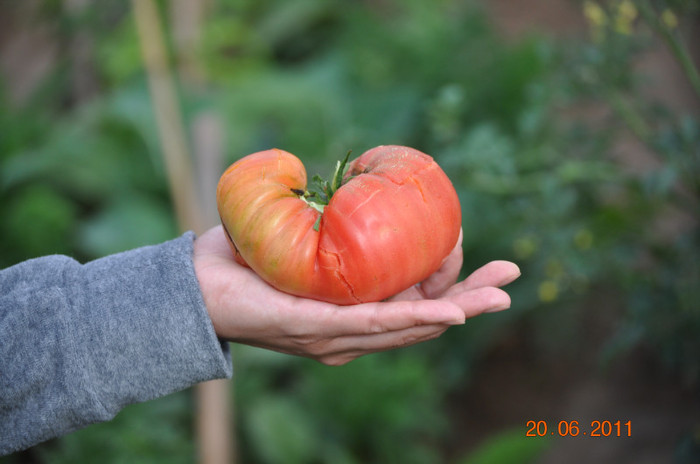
{"points": [[574, 428]]}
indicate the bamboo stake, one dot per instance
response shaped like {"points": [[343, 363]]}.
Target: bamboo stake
{"points": [[168, 117], [212, 422], [674, 42]]}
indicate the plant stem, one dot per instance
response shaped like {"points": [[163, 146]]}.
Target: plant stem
{"points": [[677, 46], [631, 118], [320, 194], [340, 169]]}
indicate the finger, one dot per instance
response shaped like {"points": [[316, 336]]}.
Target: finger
{"points": [[457, 305], [345, 349], [330, 350], [480, 300], [437, 283], [447, 275], [412, 293], [493, 274], [375, 318]]}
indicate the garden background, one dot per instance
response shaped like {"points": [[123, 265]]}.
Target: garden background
{"points": [[570, 129]]}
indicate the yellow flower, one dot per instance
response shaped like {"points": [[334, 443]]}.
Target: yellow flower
{"points": [[670, 19], [594, 13], [548, 291], [524, 247], [627, 10], [597, 18], [626, 14]]}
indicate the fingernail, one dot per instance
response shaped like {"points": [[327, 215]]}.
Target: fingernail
{"points": [[498, 308], [454, 319], [514, 275]]}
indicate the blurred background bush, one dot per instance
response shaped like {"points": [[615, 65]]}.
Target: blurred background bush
{"points": [[570, 129]]}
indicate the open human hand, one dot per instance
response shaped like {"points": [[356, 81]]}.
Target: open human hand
{"points": [[245, 309]]}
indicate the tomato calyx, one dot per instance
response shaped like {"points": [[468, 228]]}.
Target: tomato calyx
{"points": [[320, 191]]}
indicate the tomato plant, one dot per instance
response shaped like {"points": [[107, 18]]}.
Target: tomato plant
{"points": [[385, 221]]}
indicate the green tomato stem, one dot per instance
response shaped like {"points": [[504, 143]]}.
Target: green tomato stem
{"points": [[340, 168], [321, 191], [317, 206]]}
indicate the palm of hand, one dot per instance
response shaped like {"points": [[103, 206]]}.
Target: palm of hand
{"points": [[245, 309]]}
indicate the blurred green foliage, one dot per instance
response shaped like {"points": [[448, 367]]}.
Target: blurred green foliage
{"points": [[537, 182], [354, 413], [508, 447], [156, 432]]}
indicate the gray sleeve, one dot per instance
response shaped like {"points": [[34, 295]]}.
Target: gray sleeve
{"points": [[80, 342]]}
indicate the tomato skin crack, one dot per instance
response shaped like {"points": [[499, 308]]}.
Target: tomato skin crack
{"points": [[419, 187], [336, 270]]}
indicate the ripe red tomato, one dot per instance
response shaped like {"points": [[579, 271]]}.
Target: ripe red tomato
{"points": [[391, 222]]}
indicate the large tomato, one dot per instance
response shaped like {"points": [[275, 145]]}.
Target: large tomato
{"points": [[390, 221]]}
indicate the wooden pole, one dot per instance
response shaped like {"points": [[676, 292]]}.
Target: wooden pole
{"points": [[169, 120], [213, 421]]}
